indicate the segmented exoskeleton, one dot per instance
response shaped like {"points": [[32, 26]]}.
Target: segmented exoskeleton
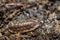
{"points": [[22, 25]]}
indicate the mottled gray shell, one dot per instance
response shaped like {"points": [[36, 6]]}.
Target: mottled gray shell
{"points": [[22, 25]]}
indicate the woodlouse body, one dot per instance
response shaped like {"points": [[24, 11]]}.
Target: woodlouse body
{"points": [[22, 25]]}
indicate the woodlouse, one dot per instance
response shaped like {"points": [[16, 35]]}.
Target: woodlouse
{"points": [[22, 25]]}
